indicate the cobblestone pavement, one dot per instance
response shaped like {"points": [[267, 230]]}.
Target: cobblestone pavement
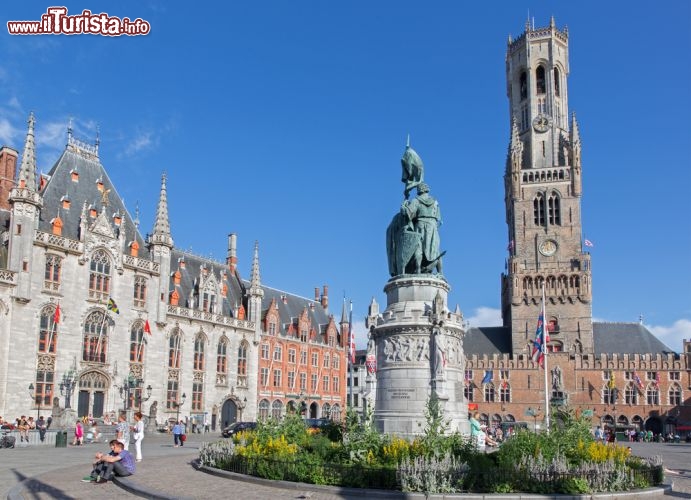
{"points": [[168, 472]]}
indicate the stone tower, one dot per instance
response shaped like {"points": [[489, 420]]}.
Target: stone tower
{"points": [[417, 340], [543, 198], [160, 243]]}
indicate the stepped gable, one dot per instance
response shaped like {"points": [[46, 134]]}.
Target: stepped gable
{"points": [[61, 183], [191, 277], [626, 338], [291, 306], [487, 340]]}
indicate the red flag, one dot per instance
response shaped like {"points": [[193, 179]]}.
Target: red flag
{"points": [[147, 328], [56, 316]]}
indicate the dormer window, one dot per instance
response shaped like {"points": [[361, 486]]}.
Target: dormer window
{"points": [[99, 185], [93, 212], [74, 175], [174, 298], [134, 249], [56, 223], [65, 202], [177, 277], [117, 219]]}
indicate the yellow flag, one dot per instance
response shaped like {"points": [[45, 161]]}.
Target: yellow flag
{"points": [[611, 380]]}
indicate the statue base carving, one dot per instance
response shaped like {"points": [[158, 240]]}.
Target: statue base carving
{"points": [[419, 346]]}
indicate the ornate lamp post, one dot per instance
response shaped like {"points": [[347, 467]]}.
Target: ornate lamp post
{"points": [[130, 384], [178, 405], [36, 398], [67, 384]]}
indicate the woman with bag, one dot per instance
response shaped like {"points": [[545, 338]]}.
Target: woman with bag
{"points": [[138, 435]]}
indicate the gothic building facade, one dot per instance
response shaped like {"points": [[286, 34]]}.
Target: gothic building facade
{"points": [[93, 312], [614, 372]]}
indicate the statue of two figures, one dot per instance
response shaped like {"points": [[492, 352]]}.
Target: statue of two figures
{"points": [[412, 238]]}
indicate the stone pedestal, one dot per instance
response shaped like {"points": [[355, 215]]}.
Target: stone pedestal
{"points": [[419, 346]]}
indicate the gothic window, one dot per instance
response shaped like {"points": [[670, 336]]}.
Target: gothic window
{"points": [[197, 395], [174, 349], [52, 272], [631, 394], [540, 83], [263, 412], [557, 84], [277, 378], [326, 410], [539, 209], [303, 335], [554, 209], [95, 344], [489, 393], [675, 394], [208, 301], [276, 409], [199, 352], [139, 291], [336, 413], [172, 394], [524, 85], [48, 331], [44, 387], [242, 359], [222, 356], [272, 328], [505, 393], [99, 275], [137, 343], [332, 340], [652, 395]]}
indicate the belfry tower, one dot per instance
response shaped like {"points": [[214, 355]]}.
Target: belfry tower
{"points": [[543, 198]]}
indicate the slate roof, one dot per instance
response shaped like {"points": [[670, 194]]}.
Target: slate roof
{"points": [[608, 338], [290, 307], [626, 338], [60, 184]]}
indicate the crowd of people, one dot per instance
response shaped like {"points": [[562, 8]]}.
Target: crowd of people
{"points": [[607, 435], [25, 424]]}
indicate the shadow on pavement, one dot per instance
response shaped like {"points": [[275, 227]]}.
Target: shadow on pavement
{"points": [[32, 487]]}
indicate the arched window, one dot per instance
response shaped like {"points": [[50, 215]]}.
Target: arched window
{"points": [[242, 359], [48, 331], [277, 409], [652, 395], [336, 413], [197, 395], [609, 395], [263, 410], [557, 84], [139, 291], [199, 352], [99, 275], [175, 349], [326, 410], [222, 356], [469, 393], [675, 394], [524, 85], [554, 209], [631, 394], [137, 343], [540, 83], [489, 393], [95, 344], [539, 209]]}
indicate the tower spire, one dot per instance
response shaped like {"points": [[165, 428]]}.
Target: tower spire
{"points": [[161, 234], [27, 171], [255, 280]]}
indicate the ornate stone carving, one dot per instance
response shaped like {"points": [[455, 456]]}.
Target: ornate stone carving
{"points": [[173, 374], [46, 363]]}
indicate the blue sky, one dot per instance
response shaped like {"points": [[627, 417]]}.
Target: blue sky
{"points": [[284, 122]]}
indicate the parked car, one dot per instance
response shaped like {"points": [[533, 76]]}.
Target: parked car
{"points": [[317, 424], [236, 427]]}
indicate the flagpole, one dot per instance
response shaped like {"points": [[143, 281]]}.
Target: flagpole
{"points": [[350, 355], [100, 334], [544, 353], [52, 330]]}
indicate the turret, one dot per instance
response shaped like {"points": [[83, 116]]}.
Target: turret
{"points": [[25, 203], [255, 295], [160, 242]]}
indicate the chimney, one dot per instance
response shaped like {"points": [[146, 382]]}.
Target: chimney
{"points": [[325, 297], [232, 259], [8, 167], [316, 294]]}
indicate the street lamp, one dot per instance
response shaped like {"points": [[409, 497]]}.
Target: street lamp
{"points": [[37, 399], [178, 405], [67, 384], [128, 385]]}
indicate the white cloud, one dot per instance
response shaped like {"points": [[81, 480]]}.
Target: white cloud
{"points": [[673, 335], [485, 316], [7, 133], [52, 135]]}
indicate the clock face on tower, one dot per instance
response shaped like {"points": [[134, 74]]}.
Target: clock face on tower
{"points": [[548, 248], [542, 123]]}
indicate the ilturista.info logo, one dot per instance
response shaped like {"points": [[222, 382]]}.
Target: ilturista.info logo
{"points": [[56, 21]]}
